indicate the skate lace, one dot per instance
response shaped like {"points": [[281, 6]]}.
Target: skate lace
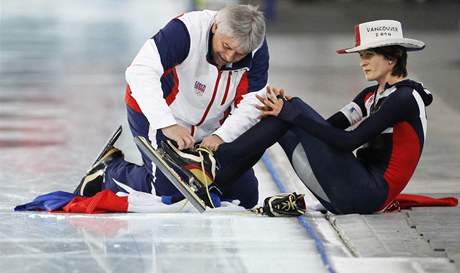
{"points": [[289, 205], [200, 151]]}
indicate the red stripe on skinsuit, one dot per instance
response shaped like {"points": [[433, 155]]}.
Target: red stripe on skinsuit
{"points": [[404, 159]]}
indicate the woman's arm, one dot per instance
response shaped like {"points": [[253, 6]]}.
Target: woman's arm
{"points": [[395, 108], [339, 121]]}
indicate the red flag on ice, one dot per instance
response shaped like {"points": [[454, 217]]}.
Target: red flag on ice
{"points": [[415, 200], [407, 201], [104, 201]]}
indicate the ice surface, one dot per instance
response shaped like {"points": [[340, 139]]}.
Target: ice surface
{"points": [[153, 243], [61, 95]]}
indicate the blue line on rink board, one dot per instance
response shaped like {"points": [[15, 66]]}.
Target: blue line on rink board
{"points": [[302, 219]]}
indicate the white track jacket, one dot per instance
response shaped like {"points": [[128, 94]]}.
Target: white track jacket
{"points": [[172, 81]]}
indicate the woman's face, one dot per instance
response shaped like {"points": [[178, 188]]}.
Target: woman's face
{"points": [[375, 66]]}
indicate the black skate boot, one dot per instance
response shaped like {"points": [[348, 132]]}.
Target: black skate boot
{"points": [[91, 183], [283, 204], [198, 163]]}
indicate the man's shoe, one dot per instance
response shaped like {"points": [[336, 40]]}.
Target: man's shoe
{"points": [[92, 182]]}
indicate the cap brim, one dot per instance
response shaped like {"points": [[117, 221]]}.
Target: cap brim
{"points": [[409, 44]]}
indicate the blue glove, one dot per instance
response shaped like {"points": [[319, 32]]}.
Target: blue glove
{"points": [[215, 199], [171, 199]]}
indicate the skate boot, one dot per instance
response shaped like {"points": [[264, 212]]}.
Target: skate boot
{"points": [[92, 182], [283, 204], [198, 163]]}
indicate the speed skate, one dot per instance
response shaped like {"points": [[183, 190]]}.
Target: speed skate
{"points": [[187, 187]]}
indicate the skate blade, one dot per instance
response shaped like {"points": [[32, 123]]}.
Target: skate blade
{"points": [[116, 134], [170, 173]]}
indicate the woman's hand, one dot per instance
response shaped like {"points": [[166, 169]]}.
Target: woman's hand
{"points": [[272, 103]]}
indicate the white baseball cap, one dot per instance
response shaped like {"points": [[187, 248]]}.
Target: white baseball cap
{"points": [[381, 33]]}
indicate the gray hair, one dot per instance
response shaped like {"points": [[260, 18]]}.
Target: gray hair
{"points": [[244, 23]]}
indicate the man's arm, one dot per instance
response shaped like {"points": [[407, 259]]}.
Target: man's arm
{"points": [[169, 47], [143, 77]]}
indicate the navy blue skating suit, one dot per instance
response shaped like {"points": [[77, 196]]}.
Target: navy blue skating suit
{"points": [[358, 160]]}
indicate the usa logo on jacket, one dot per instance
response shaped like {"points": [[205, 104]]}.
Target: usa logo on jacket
{"points": [[199, 88]]}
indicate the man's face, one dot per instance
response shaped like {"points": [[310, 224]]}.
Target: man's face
{"points": [[225, 49]]}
